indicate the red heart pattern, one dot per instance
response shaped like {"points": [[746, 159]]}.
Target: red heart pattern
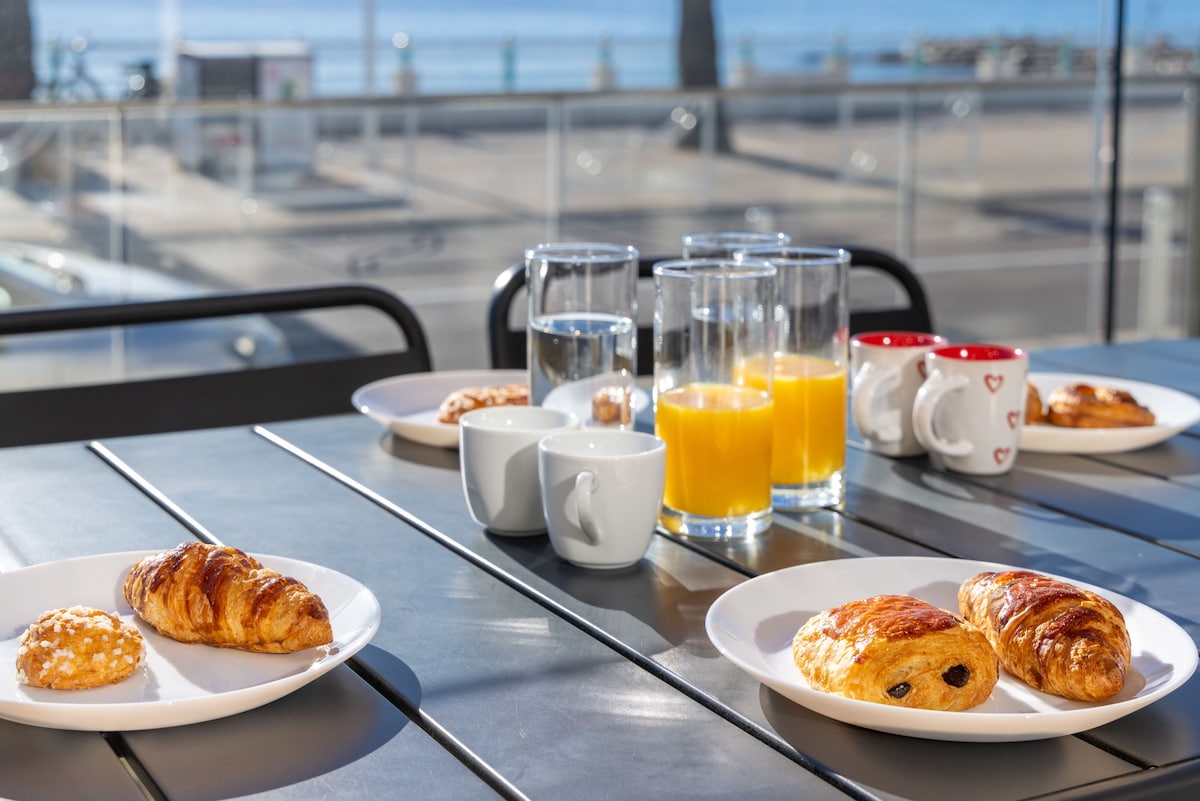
{"points": [[993, 382], [1001, 454], [1013, 419]]}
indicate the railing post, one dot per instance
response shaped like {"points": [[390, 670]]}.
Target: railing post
{"points": [[845, 126], [118, 229], [556, 159], [1191, 271], [412, 127], [708, 147], [1154, 289], [906, 176]]}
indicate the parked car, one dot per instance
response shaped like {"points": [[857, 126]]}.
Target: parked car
{"points": [[33, 275]]}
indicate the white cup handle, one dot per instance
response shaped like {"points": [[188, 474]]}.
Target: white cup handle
{"points": [[585, 487], [931, 393], [870, 382]]}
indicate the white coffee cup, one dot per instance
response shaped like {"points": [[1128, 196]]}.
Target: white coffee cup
{"points": [[887, 368], [968, 413], [601, 493], [499, 457]]}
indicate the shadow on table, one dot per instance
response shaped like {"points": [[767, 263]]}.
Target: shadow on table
{"points": [[647, 591], [428, 455], [320, 728]]}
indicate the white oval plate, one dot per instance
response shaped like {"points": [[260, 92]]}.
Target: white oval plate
{"points": [[408, 404], [1174, 411], [753, 623], [179, 683], [576, 396]]}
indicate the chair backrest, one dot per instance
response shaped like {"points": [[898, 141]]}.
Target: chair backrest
{"points": [[913, 317], [204, 400], [507, 338]]}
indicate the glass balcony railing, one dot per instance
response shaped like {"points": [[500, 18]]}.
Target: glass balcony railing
{"points": [[996, 192]]}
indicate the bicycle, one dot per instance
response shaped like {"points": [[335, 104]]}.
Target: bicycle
{"points": [[77, 84]]}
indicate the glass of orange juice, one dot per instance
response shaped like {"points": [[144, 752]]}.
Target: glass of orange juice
{"points": [[711, 316], [808, 374]]}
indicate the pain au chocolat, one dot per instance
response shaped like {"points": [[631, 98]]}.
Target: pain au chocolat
{"points": [[897, 650]]}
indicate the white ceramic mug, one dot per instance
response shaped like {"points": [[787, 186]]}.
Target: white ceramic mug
{"points": [[601, 493], [887, 368], [968, 413], [498, 453]]}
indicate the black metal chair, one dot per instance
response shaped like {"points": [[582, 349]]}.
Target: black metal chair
{"points": [[204, 400], [506, 336], [915, 316]]}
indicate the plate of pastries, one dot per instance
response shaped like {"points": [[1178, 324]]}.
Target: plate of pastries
{"points": [[150, 639], [425, 407], [950, 649], [1071, 413]]}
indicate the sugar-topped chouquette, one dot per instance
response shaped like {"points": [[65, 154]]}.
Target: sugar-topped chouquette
{"points": [[78, 648]]}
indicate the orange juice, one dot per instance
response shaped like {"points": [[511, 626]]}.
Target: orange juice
{"points": [[810, 418], [718, 449]]}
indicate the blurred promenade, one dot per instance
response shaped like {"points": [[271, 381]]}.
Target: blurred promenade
{"points": [[1002, 212]]}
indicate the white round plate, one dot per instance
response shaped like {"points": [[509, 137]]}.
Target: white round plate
{"points": [[576, 396], [408, 404], [179, 683], [753, 623], [1174, 411]]}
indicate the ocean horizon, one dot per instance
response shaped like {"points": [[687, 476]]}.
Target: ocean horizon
{"points": [[479, 46]]}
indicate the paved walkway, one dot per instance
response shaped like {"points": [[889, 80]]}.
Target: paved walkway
{"points": [[1001, 224]]}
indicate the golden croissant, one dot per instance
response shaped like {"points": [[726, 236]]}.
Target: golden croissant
{"points": [[200, 593], [896, 650], [1054, 636]]}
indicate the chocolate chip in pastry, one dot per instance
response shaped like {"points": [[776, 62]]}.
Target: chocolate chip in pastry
{"points": [[897, 650]]}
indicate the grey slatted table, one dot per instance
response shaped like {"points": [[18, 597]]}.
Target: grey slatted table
{"points": [[500, 670]]}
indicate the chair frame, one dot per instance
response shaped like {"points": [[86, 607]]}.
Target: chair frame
{"points": [[203, 400], [507, 346], [914, 317]]}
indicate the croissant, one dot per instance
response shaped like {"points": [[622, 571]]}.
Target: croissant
{"points": [[1054, 636], [199, 593], [897, 650]]}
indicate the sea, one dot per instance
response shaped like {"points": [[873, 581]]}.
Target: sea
{"points": [[359, 47]]}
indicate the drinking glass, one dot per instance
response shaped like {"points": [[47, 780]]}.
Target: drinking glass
{"points": [[582, 313], [723, 244], [811, 357], [711, 318]]}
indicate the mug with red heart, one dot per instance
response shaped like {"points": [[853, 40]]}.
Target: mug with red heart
{"points": [[969, 411], [887, 368]]}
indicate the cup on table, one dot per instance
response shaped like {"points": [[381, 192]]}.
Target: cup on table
{"points": [[886, 370], [713, 318], [812, 314], [601, 493], [723, 244], [582, 313], [498, 452], [969, 411]]}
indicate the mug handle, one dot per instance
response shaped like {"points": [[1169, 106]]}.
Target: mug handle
{"points": [[931, 393], [870, 382], [585, 487]]}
